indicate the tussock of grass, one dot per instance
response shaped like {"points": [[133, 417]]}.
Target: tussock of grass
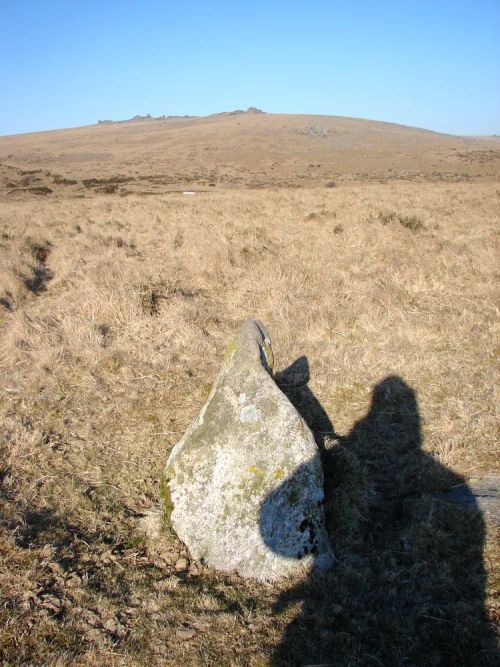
{"points": [[412, 222], [104, 368], [61, 180]]}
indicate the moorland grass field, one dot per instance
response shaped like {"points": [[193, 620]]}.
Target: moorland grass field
{"points": [[114, 315]]}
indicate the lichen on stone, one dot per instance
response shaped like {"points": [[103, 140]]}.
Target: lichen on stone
{"points": [[168, 505], [268, 356], [230, 349]]}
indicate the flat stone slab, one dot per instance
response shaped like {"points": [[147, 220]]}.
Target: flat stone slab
{"points": [[482, 494], [244, 486]]}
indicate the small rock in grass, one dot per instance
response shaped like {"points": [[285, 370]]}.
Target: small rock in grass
{"points": [[185, 633], [181, 564]]}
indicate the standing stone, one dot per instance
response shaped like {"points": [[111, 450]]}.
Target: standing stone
{"points": [[244, 486]]}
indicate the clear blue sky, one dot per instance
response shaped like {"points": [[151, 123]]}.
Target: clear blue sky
{"points": [[427, 63]]}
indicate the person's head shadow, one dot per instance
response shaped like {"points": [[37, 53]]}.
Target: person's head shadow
{"points": [[294, 383], [408, 584]]}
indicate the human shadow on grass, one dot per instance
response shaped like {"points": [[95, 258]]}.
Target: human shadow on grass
{"points": [[408, 584]]}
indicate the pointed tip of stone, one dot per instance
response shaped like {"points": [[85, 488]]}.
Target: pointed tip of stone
{"points": [[255, 344]]}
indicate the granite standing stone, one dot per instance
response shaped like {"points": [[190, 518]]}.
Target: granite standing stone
{"points": [[244, 487]]}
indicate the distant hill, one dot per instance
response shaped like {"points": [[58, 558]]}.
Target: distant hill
{"points": [[247, 149]]}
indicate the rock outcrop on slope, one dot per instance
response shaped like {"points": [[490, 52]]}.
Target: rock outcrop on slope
{"points": [[244, 486]]}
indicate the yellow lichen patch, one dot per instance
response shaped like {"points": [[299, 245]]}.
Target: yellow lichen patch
{"points": [[279, 473], [257, 472], [268, 353], [255, 483], [230, 349]]}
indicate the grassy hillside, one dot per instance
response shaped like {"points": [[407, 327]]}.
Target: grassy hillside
{"points": [[114, 315], [251, 150]]}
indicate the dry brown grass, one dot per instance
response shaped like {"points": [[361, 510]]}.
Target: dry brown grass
{"points": [[114, 314]]}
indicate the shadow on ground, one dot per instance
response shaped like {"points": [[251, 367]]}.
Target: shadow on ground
{"points": [[408, 585]]}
